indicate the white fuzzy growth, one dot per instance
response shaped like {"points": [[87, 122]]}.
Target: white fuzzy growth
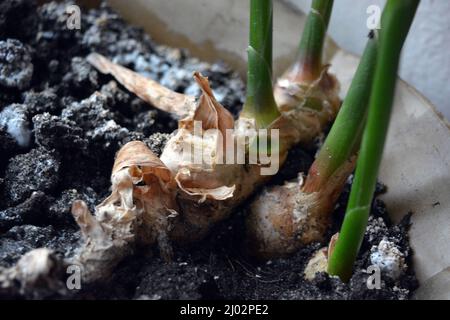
{"points": [[13, 118], [389, 259]]}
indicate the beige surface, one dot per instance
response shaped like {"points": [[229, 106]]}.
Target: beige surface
{"points": [[210, 28], [416, 169], [416, 164], [435, 288]]}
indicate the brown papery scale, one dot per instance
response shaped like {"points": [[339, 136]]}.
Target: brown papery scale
{"points": [[307, 103]]}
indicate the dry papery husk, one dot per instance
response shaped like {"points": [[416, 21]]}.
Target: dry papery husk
{"points": [[294, 96], [139, 209], [284, 218], [209, 190], [177, 104], [173, 198]]}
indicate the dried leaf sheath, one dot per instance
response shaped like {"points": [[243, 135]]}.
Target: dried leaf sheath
{"points": [[212, 118], [307, 107], [148, 90], [138, 209], [208, 189]]}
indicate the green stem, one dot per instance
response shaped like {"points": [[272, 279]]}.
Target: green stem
{"points": [[260, 103], [309, 64], [396, 21], [343, 140]]}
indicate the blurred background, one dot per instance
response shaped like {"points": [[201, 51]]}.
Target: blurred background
{"points": [[426, 58]]}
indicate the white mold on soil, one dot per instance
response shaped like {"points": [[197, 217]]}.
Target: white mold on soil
{"points": [[389, 259], [13, 118]]}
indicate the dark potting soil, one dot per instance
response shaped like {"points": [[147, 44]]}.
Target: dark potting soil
{"points": [[61, 123]]}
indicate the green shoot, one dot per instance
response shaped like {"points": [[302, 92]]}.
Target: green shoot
{"points": [[396, 21], [343, 140], [310, 53], [260, 103]]}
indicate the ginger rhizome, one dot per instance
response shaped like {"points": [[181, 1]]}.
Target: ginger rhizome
{"points": [[284, 218]]}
